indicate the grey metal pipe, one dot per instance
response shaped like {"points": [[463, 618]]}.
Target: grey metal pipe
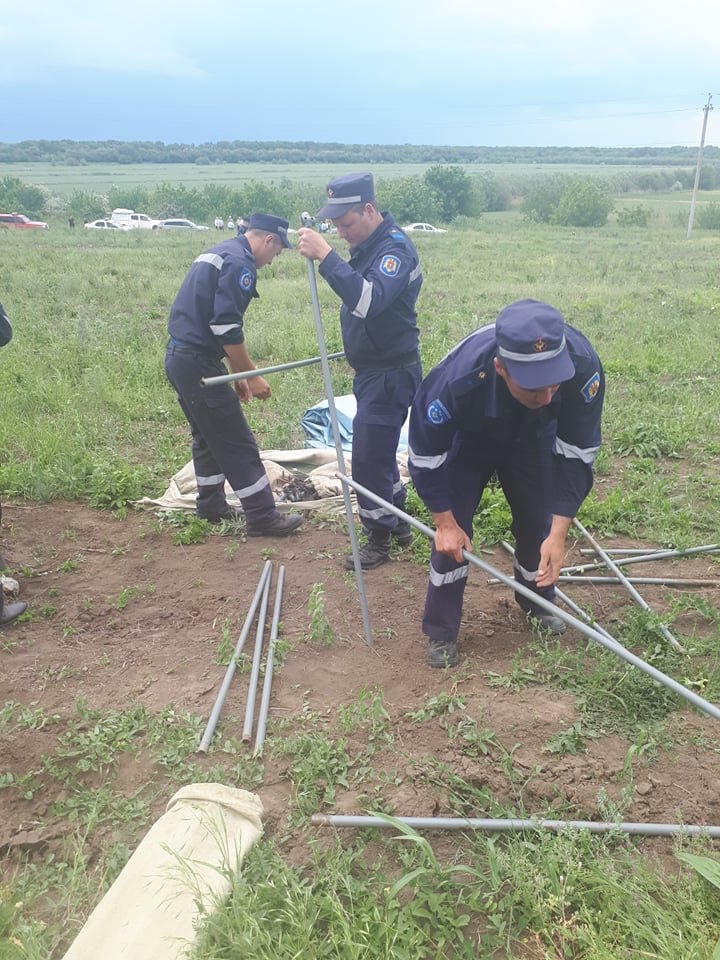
{"points": [[625, 582], [661, 581], [578, 611], [220, 699], [245, 374], [255, 669], [593, 634], [307, 221], [267, 682], [642, 557], [506, 826]]}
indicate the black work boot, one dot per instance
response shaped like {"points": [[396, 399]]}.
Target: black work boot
{"points": [[373, 552], [10, 611], [229, 513], [277, 525], [442, 653], [403, 533]]}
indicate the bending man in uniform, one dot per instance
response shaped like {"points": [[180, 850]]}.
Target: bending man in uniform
{"points": [[206, 327], [378, 288], [521, 399]]}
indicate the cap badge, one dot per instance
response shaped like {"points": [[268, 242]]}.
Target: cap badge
{"points": [[330, 192], [540, 345]]}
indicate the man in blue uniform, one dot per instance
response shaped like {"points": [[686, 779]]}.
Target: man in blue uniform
{"points": [[8, 611], [522, 399], [378, 287], [206, 327]]}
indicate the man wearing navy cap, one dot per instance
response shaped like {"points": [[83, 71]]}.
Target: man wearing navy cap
{"points": [[521, 399], [378, 287], [206, 328]]}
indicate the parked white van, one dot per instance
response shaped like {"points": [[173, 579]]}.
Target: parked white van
{"points": [[132, 219]]}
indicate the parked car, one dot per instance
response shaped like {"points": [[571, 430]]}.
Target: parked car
{"points": [[21, 221], [178, 224], [423, 228], [106, 225], [135, 221]]}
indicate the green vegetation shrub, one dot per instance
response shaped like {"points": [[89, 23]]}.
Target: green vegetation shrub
{"points": [[708, 217], [585, 203], [637, 216]]}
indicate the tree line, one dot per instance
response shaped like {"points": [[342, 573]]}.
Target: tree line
{"points": [[285, 151]]}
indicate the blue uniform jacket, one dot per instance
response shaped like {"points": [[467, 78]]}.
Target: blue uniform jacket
{"points": [[463, 399], [378, 287], [210, 305]]}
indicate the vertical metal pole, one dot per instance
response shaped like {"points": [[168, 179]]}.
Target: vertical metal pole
{"points": [[267, 683], [330, 396], [706, 110], [220, 699], [255, 671], [625, 582]]}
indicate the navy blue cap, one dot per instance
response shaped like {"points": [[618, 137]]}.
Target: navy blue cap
{"points": [[531, 344], [344, 193], [270, 224]]}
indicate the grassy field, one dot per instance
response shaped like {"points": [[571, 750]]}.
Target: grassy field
{"points": [[62, 180], [88, 415]]}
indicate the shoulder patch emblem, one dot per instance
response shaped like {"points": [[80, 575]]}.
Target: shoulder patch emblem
{"points": [[246, 279], [437, 413], [397, 235], [589, 391], [389, 265]]}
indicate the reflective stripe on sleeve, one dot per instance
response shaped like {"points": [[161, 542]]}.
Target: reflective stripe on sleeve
{"points": [[427, 463], [586, 454], [213, 259], [452, 576], [222, 328], [363, 304]]}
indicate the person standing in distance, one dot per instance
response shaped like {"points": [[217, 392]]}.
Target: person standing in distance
{"points": [[206, 327], [379, 287], [521, 399]]}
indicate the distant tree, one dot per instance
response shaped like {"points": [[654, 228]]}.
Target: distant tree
{"points": [[585, 203], [26, 198], [86, 205], [637, 216], [454, 190], [408, 199], [542, 196], [494, 194], [130, 198], [708, 217]]}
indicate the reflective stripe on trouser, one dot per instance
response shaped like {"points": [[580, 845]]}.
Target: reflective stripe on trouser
{"points": [[523, 474], [383, 399], [223, 444]]}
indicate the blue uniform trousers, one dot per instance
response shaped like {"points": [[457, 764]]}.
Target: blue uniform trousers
{"points": [[523, 471], [383, 398], [223, 445]]}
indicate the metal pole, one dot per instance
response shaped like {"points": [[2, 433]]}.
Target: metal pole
{"points": [[267, 682], [661, 581], [255, 671], [307, 221], [593, 634], [220, 699], [498, 826], [243, 375], [641, 557], [626, 583], [645, 552], [706, 110], [578, 611]]}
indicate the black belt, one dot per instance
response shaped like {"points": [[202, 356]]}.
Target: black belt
{"points": [[182, 346]]}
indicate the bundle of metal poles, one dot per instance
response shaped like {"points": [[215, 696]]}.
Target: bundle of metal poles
{"points": [[261, 596]]}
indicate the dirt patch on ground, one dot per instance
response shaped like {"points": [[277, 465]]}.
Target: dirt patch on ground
{"points": [[122, 616]]}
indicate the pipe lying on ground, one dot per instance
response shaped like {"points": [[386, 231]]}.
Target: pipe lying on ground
{"points": [[267, 682], [220, 699], [570, 604], [660, 581], [625, 582], [544, 604], [255, 668], [246, 374], [506, 826], [640, 556]]}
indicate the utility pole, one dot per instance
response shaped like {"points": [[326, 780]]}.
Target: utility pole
{"points": [[706, 110]]}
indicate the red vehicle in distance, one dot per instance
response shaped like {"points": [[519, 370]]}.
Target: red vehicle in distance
{"points": [[21, 221]]}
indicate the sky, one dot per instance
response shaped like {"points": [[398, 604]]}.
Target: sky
{"points": [[457, 72]]}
